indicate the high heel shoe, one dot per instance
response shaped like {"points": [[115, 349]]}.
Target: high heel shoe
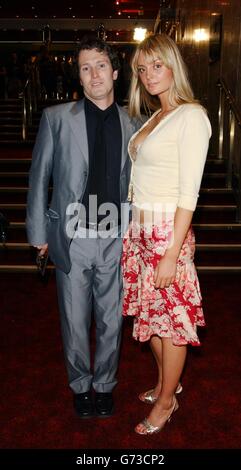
{"points": [[150, 429], [147, 397]]}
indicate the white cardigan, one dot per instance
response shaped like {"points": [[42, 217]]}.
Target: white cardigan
{"points": [[167, 166]]}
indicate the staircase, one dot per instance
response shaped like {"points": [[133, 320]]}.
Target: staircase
{"points": [[11, 112], [218, 235], [11, 119]]}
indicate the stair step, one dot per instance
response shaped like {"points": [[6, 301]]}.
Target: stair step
{"points": [[10, 137], [13, 189], [17, 142], [217, 233], [210, 258], [17, 233], [215, 213], [16, 196], [226, 192], [206, 207], [16, 152], [218, 269], [216, 196], [8, 130], [15, 268], [10, 113], [15, 246], [15, 164], [218, 236], [216, 190], [24, 254], [213, 180], [10, 126], [13, 174], [18, 257], [31, 268], [215, 160], [199, 246], [224, 197], [9, 100], [16, 211], [11, 109], [215, 175], [218, 246], [205, 228], [13, 120], [215, 166], [219, 226], [13, 194], [16, 177]]}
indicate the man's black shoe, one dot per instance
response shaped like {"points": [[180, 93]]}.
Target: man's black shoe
{"points": [[104, 404], [83, 405]]}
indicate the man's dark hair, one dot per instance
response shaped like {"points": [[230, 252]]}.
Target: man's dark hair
{"points": [[90, 42]]}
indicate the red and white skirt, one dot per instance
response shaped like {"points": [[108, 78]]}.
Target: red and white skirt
{"points": [[171, 312]]}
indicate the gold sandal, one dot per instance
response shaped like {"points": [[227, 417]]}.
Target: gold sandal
{"points": [[147, 397], [150, 429]]}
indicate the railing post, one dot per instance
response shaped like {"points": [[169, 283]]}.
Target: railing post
{"points": [[27, 108], [238, 193], [231, 122], [220, 123], [228, 138], [24, 117], [30, 107]]}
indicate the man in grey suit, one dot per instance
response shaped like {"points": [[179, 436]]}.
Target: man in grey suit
{"points": [[83, 146]]}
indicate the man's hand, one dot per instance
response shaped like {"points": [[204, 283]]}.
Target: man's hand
{"points": [[42, 248]]}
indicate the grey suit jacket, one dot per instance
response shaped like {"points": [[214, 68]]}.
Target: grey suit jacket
{"points": [[61, 151]]}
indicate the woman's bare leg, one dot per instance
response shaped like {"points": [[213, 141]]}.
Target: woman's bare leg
{"points": [[156, 347], [173, 360]]}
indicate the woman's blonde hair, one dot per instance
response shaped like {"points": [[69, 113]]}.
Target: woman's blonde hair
{"points": [[164, 48]]}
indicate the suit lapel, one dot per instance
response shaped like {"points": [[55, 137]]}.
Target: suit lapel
{"points": [[126, 131], [78, 126]]}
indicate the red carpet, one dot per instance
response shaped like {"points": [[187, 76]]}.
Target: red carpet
{"points": [[36, 403]]}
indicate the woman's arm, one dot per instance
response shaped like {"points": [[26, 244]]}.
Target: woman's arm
{"points": [[165, 272], [193, 140]]}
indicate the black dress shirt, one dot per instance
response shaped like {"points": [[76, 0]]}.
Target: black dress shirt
{"points": [[104, 142]]}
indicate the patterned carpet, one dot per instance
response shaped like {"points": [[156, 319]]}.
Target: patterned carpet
{"points": [[36, 403]]}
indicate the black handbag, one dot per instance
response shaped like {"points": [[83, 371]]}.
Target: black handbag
{"points": [[43, 272], [4, 226]]}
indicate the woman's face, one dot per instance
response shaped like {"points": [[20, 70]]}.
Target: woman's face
{"points": [[154, 75]]}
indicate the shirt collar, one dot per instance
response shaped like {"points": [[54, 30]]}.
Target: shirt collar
{"points": [[92, 108]]}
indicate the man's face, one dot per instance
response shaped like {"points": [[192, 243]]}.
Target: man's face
{"points": [[96, 74]]}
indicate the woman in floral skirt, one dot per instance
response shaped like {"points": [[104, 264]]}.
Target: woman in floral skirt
{"points": [[161, 288]]}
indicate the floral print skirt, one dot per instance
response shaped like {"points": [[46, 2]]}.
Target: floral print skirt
{"points": [[171, 312]]}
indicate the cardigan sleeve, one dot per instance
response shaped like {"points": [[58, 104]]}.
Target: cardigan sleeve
{"points": [[194, 138]]}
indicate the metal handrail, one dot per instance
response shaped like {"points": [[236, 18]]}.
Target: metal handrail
{"points": [[29, 105], [221, 83], [229, 125], [24, 125]]}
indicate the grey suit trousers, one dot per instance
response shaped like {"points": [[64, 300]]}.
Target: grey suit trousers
{"points": [[94, 283]]}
